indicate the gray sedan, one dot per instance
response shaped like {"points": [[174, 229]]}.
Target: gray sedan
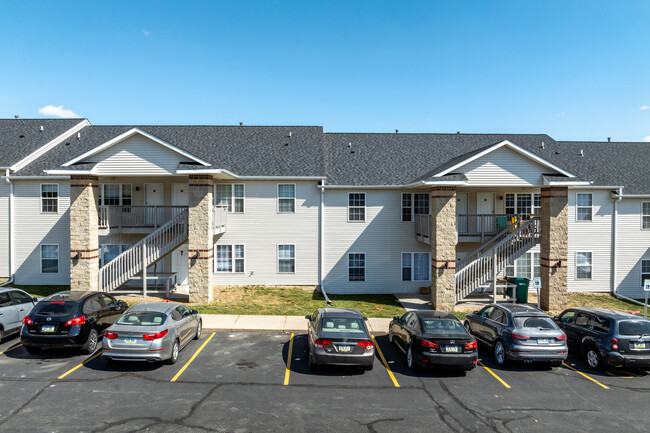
{"points": [[15, 304], [151, 331]]}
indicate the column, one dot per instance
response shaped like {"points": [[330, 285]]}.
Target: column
{"points": [[443, 248], [84, 241], [554, 248], [200, 238]]}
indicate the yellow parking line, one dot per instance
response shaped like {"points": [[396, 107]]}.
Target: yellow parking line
{"points": [[585, 376], [11, 348], [383, 360], [494, 374], [80, 365], [288, 370], [187, 364]]}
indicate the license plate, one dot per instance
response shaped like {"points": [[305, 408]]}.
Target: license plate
{"points": [[543, 341], [130, 340], [344, 348], [451, 349], [639, 345], [47, 328]]}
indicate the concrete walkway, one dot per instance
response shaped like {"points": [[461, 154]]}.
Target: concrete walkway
{"points": [[234, 322], [414, 301]]}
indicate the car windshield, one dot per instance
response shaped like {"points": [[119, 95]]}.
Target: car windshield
{"points": [[534, 322], [142, 318], [443, 326], [343, 324], [634, 327], [55, 308]]}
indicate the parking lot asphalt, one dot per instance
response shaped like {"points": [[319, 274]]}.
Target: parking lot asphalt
{"points": [[236, 381]]}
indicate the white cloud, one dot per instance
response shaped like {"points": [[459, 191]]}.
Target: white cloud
{"points": [[645, 107], [145, 32], [647, 138], [51, 110]]}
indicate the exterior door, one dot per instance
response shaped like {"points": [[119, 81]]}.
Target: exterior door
{"points": [[485, 206], [180, 195], [462, 210], [154, 195], [180, 266]]}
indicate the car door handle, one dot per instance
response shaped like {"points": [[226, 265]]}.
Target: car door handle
{"points": [[22, 309]]}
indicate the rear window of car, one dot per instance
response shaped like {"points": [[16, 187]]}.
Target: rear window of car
{"points": [[442, 326], [534, 322], [343, 324], [634, 327], [55, 308], [142, 318]]}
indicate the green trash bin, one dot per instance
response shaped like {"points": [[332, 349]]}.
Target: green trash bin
{"points": [[521, 291]]}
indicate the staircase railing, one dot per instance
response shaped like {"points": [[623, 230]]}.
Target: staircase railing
{"points": [[471, 274], [144, 253]]}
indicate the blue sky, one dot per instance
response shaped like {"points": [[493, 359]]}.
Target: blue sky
{"points": [[577, 70]]}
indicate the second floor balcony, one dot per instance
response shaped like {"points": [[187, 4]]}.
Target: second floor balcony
{"points": [[470, 227], [146, 219]]}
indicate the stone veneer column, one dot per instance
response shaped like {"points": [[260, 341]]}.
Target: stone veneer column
{"points": [[554, 247], [443, 248], [201, 242], [84, 241]]}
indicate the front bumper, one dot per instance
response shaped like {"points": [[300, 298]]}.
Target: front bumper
{"points": [[320, 357], [616, 359], [466, 361]]}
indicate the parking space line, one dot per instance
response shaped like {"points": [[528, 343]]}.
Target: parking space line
{"points": [[495, 375], [288, 369], [383, 360], [11, 348], [187, 364], [585, 376], [80, 365]]}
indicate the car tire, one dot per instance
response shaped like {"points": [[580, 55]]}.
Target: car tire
{"points": [[390, 335], [91, 343], [310, 362], [174, 357], [367, 367], [199, 328], [554, 364], [2, 334], [410, 361], [33, 350], [592, 358], [500, 355]]}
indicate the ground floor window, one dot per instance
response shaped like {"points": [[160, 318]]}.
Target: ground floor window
{"points": [[230, 258], [357, 267], [415, 266], [645, 271], [108, 252], [49, 259], [526, 266], [583, 265], [286, 259]]}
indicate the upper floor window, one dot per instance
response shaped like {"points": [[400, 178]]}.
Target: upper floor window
{"points": [[230, 196], [115, 194], [584, 203], [50, 198], [583, 265], [286, 197], [357, 206], [49, 259], [414, 204], [645, 215], [522, 203]]}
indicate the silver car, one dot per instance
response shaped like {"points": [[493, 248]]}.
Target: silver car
{"points": [[15, 304], [151, 331]]}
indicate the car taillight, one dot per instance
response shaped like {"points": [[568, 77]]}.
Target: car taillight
{"points": [[155, 336], [516, 336], [429, 344], [471, 345], [561, 337], [57, 302], [27, 321], [81, 320], [320, 343], [366, 344], [110, 335], [614, 344]]}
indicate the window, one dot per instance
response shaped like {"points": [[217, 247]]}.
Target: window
{"points": [[286, 198], [407, 208], [357, 267], [414, 204], [645, 271], [92, 305], [5, 300], [230, 196], [583, 265], [583, 207], [49, 259], [108, 252], [21, 298], [645, 215], [50, 198], [537, 204], [498, 316], [109, 301], [356, 206], [115, 194], [601, 324], [523, 204], [230, 258], [415, 266], [583, 320], [286, 259], [526, 266]]}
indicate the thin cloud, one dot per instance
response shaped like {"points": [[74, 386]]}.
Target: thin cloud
{"points": [[145, 32], [645, 107], [59, 111], [647, 138]]}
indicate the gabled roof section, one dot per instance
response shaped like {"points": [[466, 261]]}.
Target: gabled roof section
{"points": [[126, 135]]}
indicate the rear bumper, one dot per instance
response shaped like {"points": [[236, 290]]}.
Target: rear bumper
{"points": [[466, 361], [522, 352], [53, 341], [321, 357], [158, 350], [615, 359]]}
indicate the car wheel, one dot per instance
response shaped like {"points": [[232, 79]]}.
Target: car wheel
{"points": [[199, 328], [390, 335], [592, 357], [2, 334], [410, 362], [174, 357], [556, 364], [91, 343], [500, 353], [310, 362], [33, 350], [367, 367]]}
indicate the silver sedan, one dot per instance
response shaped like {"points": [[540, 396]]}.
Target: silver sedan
{"points": [[151, 331]]}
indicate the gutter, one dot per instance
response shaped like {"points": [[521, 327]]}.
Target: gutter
{"points": [[321, 265], [11, 229]]}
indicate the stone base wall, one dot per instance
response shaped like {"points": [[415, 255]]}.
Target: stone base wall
{"points": [[200, 252], [84, 240], [554, 226], [443, 248]]}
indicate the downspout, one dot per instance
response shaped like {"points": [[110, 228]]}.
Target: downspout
{"points": [[322, 243], [11, 231], [619, 197]]}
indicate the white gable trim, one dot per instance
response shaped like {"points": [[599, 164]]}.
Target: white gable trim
{"points": [[128, 134], [513, 147], [41, 150]]}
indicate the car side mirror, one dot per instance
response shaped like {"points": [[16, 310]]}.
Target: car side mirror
{"points": [[308, 317], [395, 318], [35, 300], [556, 318], [195, 312], [121, 304], [476, 312], [365, 318]]}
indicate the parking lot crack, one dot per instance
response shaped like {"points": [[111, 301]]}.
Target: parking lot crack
{"points": [[371, 425], [488, 421]]}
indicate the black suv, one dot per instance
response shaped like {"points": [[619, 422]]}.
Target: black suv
{"points": [[607, 337], [70, 319]]}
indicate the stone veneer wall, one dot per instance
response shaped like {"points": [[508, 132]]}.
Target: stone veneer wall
{"points": [[84, 241], [554, 247], [200, 238], [443, 248]]}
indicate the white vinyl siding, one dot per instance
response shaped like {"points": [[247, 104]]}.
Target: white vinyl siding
{"points": [[50, 198], [286, 198], [633, 247], [137, 155], [415, 267], [49, 259], [4, 229]]}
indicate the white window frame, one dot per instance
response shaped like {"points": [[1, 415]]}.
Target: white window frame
{"points": [[591, 266], [644, 273], [412, 254], [101, 251], [58, 258], [412, 206], [365, 266], [231, 205], [295, 190], [643, 225], [357, 207], [233, 259], [591, 215], [277, 260], [534, 210], [514, 265], [58, 194], [102, 195]]}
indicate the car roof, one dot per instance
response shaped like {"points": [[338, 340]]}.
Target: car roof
{"points": [[433, 314], [607, 312], [160, 307], [522, 310], [8, 289], [341, 312], [71, 295]]}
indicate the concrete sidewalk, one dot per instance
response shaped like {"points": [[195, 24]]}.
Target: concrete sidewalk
{"points": [[234, 322]]}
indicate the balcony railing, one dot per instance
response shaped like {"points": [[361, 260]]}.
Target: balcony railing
{"points": [[468, 225], [137, 216], [219, 219]]}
